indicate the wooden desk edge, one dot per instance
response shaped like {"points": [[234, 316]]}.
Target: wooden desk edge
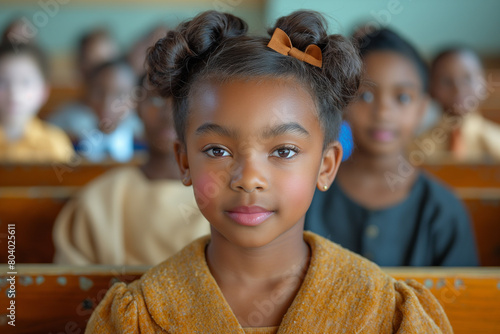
{"points": [[52, 269]]}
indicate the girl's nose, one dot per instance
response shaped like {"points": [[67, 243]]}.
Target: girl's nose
{"points": [[248, 176], [382, 108]]}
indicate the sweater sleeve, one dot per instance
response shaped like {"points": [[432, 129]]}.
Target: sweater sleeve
{"points": [[417, 310], [116, 313]]}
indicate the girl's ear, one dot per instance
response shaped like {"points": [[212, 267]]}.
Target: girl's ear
{"points": [[332, 156], [182, 162]]}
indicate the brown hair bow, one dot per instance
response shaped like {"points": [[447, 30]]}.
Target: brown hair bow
{"points": [[281, 43]]}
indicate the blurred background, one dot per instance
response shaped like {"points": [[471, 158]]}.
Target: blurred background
{"points": [[429, 24]]}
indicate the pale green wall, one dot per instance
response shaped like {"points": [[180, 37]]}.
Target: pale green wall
{"points": [[127, 22], [430, 24]]}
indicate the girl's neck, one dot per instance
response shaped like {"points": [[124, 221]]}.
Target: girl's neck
{"points": [[160, 167], [380, 174], [286, 256], [377, 182], [370, 165]]}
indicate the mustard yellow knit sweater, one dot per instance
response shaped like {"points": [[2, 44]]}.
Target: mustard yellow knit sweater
{"points": [[341, 293]]}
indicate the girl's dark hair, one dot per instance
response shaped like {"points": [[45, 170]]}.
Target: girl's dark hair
{"points": [[456, 50], [216, 45], [387, 40], [30, 50], [119, 63]]}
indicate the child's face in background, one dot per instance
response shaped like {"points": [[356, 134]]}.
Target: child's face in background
{"points": [[111, 96], [23, 90], [254, 156], [456, 78], [390, 105], [98, 51], [157, 117]]}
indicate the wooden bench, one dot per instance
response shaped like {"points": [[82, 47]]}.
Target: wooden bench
{"points": [[51, 175], [55, 299], [52, 299], [59, 175], [484, 211], [33, 211], [467, 175]]}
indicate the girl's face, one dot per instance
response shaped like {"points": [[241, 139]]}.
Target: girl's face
{"points": [[109, 96], [254, 154], [456, 81], [23, 90], [156, 115], [389, 107]]}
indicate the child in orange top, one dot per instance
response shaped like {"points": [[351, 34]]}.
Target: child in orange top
{"points": [[23, 90], [257, 121]]}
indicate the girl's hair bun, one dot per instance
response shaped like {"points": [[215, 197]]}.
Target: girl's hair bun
{"points": [[174, 57], [342, 65], [303, 28]]}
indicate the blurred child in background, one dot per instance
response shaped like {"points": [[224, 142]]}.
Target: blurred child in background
{"points": [[107, 125], [24, 89], [133, 215], [136, 56], [380, 206], [458, 86], [19, 31], [94, 48]]}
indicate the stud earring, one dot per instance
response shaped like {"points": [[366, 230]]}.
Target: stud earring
{"points": [[325, 187]]}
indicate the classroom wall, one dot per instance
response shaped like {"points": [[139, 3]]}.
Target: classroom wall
{"points": [[430, 24], [59, 23]]}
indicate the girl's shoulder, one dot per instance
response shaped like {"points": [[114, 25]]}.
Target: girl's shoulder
{"points": [[358, 292]]}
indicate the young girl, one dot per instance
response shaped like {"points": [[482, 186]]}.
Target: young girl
{"points": [[458, 86], [113, 216], [108, 125], [380, 206], [257, 121], [24, 89]]}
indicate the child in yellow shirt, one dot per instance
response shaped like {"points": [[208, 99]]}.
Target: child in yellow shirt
{"points": [[23, 90]]}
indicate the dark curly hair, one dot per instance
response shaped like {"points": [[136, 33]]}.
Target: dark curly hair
{"points": [[216, 46], [31, 50], [388, 40]]}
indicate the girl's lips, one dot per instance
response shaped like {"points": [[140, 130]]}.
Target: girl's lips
{"points": [[249, 215], [383, 135]]}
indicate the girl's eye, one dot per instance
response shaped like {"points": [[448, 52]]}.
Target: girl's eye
{"points": [[216, 152], [284, 152], [367, 97], [404, 98]]}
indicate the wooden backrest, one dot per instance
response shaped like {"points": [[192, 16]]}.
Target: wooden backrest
{"points": [[60, 95], [466, 176], [54, 299], [33, 212], [50, 175], [485, 216], [470, 297]]}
